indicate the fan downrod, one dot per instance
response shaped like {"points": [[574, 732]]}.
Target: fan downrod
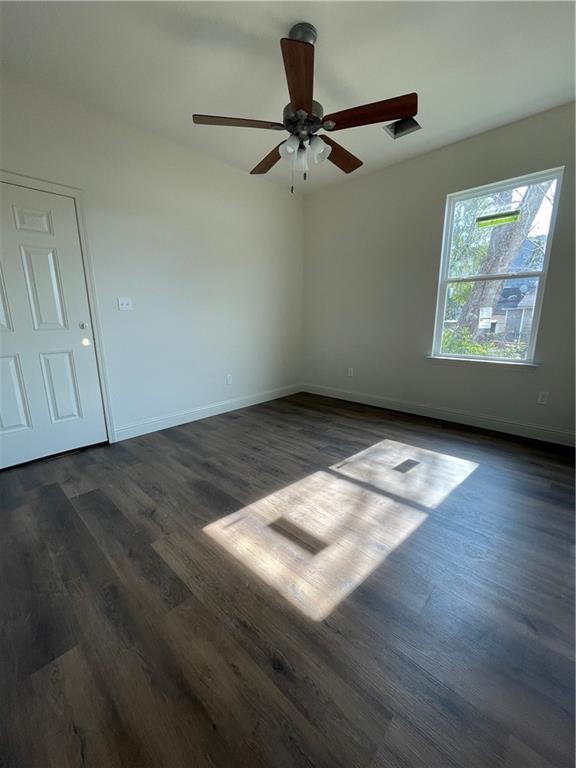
{"points": [[304, 32]]}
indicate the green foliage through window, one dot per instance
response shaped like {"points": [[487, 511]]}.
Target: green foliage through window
{"points": [[459, 341], [492, 279]]}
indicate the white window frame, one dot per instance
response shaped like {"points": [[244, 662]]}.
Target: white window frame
{"points": [[444, 281]]}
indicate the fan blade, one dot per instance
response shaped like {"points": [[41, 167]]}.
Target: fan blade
{"points": [[345, 160], [378, 112], [270, 160], [299, 66], [236, 122]]}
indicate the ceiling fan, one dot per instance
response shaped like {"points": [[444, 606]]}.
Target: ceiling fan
{"points": [[303, 117]]}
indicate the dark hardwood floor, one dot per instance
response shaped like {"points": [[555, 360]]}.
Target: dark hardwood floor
{"points": [[305, 582]]}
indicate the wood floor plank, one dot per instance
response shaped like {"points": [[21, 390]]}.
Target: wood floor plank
{"points": [[248, 698], [132, 637], [405, 691], [315, 689], [36, 623], [502, 701], [141, 677], [77, 726], [127, 549], [521, 756]]}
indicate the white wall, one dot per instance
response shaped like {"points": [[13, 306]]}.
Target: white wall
{"points": [[211, 256], [213, 259], [373, 252]]}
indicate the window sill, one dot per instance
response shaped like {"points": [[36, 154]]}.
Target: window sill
{"points": [[476, 361]]}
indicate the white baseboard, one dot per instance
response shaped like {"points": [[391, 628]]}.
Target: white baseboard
{"points": [[144, 426], [510, 426]]}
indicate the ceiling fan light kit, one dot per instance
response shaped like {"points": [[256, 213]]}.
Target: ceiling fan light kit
{"points": [[303, 117]]}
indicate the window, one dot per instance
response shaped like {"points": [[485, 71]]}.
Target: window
{"points": [[494, 259]]}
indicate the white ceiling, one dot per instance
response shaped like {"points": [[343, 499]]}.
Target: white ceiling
{"points": [[475, 66]]}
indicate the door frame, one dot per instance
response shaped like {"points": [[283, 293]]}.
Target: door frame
{"points": [[76, 194]]}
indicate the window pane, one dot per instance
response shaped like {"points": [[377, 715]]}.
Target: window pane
{"points": [[500, 232], [489, 318]]}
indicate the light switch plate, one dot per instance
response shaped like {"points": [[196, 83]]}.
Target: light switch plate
{"points": [[124, 302]]}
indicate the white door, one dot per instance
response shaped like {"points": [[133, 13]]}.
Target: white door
{"points": [[50, 399]]}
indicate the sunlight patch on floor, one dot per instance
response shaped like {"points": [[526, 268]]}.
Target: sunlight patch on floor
{"points": [[361, 509]]}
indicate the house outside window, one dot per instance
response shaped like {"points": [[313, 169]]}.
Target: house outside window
{"points": [[495, 254]]}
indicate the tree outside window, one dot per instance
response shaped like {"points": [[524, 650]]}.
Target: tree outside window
{"points": [[495, 253]]}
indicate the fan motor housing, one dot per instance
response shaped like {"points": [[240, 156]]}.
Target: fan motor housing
{"points": [[301, 123]]}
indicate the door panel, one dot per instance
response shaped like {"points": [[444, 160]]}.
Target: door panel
{"points": [[44, 286], [49, 387], [33, 221], [61, 386], [14, 410], [5, 319]]}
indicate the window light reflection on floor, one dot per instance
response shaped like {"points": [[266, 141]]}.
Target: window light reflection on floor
{"points": [[358, 511]]}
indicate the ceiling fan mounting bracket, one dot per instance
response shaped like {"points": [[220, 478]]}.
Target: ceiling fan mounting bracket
{"points": [[304, 32]]}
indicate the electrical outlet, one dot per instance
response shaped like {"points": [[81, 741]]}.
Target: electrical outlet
{"points": [[350, 372], [124, 303], [542, 398], [228, 379]]}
